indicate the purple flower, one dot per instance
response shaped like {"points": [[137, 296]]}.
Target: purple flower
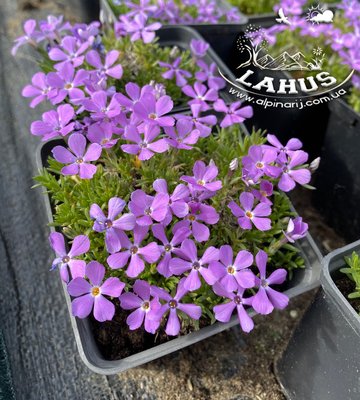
{"points": [[154, 111], [91, 295], [234, 114], [137, 28], [67, 82], [145, 146], [54, 123], [168, 247], [101, 133], [190, 261], [135, 94], [200, 95], [284, 151], [79, 157], [265, 191], [297, 229], [203, 124], [208, 74], [266, 299], [64, 259], [183, 136], [258, 162], [100, 110], [107, 68], [248, 214], [148, 208], [223, 312], [144, 306], [292, 175], [199, 47], [203, 178], [150, 253], [70, 51], [144, 7], [52, 26], [173, 305], [231, 274], [174, 71], [177, 201], [40, 89], [199, 213], [31, 36], [111, 224]]}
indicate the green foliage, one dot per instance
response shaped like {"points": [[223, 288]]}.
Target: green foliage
{"points": [[353, 272], [250, 7], [119, 174]]}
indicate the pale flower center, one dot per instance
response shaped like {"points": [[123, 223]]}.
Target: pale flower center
{"points": [[95, 291], [259, 165], [249, 214], [201, 182], [264, 283], [230, 270], [167, 247], [79, 160], [65, 259], [145, 305], [152, 116]]}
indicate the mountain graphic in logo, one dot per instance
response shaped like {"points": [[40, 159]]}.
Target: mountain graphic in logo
{"points": [[253, 45]]}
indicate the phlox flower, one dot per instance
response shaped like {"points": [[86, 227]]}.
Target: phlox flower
{"points": [[137, 255], [174, 71], [101, 133], [69, 51], [232, 274], [39, 89], [154, 111], [107, 67], [296, 229], [188, 260], [223, 312], [292, 174], [183, 136], [143, 305], [31, 36], [112, 223], [199, 47], [172, 306], [266, 299], [78, 157], [248, 215], [202, 124], [65, 260], [259, 162], [91, 295], [208, 73], [264, 192], [203, 178], [234, 113], [200, 95]]}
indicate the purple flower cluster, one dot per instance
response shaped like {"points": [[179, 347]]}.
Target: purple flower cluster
{"points": [[165, 230], [170, 12]]}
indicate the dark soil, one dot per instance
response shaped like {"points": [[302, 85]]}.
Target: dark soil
{"points": [[347, 286]]}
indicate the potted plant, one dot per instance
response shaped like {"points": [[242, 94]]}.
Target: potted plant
{"points": [[162, 223], [322, 347], [173, 12], [340, 39]]}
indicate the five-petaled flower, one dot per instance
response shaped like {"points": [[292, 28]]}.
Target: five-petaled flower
{"points": [[78, 158], [249, 215], [145, 307], [91, 295], [266, 299], [66, 260], [173, 305], [112, 224]]}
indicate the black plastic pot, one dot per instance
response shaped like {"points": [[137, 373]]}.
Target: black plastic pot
{"points": [[338, 178], [308, 124], [303, 280], [322, 360], [108, 16]]}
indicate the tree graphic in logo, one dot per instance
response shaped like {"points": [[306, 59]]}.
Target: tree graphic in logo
{"points": [[254, 46]]}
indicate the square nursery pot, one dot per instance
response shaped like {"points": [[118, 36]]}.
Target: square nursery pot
{"points": [[108, 16], [308, 124], [322, 359], [338, 181], [303, 280]]}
